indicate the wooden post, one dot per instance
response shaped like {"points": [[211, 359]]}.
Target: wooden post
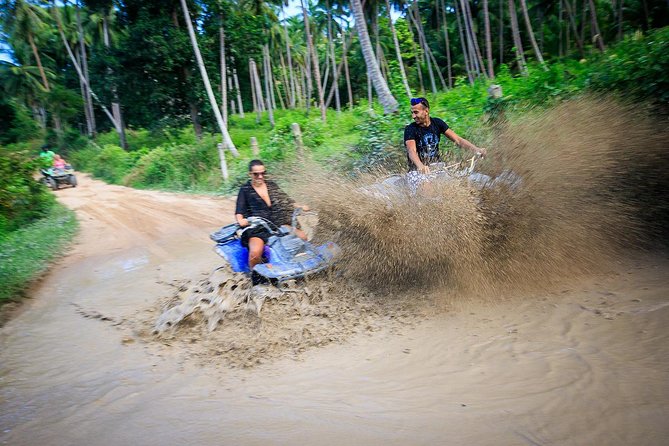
{"points": [[254, 146], [495, 91], [224, 164], [297, 133], [495, 105]]}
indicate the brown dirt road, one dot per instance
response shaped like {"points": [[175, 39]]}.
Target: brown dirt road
{"points": [[585, 363]]}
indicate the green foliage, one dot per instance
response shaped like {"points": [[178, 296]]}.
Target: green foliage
{"points": [[639, 66], [380, 144], [16, 122], [22, 198], [110, 162], [26, 252], [180, 167]]}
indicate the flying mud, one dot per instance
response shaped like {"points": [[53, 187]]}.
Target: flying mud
{"points": [[593, 183]]}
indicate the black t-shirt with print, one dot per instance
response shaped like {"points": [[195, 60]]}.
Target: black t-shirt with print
{"points": [[427, 141], [250, 204]]}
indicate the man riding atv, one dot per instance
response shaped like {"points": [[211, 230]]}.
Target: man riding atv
{"points": [[421, 139], [260, 197]]}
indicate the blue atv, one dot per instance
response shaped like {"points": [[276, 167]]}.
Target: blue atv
{"points": [[287, 256]]}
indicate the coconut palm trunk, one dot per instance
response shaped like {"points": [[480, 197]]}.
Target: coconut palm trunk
{"points": [[415, 17], [224, 72], [78, 69], [464, 44], [488, 40], [38, 60], [335, 71], [501, 32], [347, 73], [88, 99], [417, 55], [476, 51], [286, 83], [116, 106], [240, 104], [386, 98], [314, 61], [269, 91], [291, 75], [398, 52], [227, 141], [449, 66], [256, 90], [574, 28], [595, 26], [530, 32], [520, 55], [620, 18]]}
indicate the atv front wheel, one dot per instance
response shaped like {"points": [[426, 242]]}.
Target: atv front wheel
{"points": [[72, 180]]}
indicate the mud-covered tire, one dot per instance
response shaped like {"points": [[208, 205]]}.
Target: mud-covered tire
{"points": [[72, 180], [53, 184]]}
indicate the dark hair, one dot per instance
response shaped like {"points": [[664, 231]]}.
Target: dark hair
{"points": [[255, 163], [416, 101]]}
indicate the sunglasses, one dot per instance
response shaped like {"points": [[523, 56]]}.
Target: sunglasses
{"points": [[416, 101], [259, 174]]}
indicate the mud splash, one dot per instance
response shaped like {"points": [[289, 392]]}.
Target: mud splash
{"points": [[593, 184], [213, 320], [584, 197]]}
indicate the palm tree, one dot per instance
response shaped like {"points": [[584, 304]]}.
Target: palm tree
{"points": [[520, 55], [314, 59], [88, 99], [488, 41], [24, 83], [533, 41], [25, 20], [77, 67], [103, 19], [227, 141], [447, 43], [398, 53], [291, 75], [386, 98]]}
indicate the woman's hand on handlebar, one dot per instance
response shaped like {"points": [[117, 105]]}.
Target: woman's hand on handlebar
{"points": [[243, 222]]}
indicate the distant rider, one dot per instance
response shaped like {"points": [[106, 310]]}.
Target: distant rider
{"points": [[260, 197], [59, 162], [421, 139], [46, 156]]}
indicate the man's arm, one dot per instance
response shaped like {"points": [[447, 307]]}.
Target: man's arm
{"points": [[463, 143], [413, 156]]}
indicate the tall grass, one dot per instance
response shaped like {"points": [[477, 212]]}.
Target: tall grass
{"points": [[26, 252]]}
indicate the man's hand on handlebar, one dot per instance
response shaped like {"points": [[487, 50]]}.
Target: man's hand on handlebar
{"points": [[481, 152], [424, 169]]}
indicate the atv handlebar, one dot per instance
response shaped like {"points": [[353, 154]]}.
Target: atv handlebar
{"points": [[254, 222]]}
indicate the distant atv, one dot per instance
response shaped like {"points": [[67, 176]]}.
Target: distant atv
{"points": [[54, 178]]}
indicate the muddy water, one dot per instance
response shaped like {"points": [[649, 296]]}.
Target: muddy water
{"points": [[586, 363]]}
